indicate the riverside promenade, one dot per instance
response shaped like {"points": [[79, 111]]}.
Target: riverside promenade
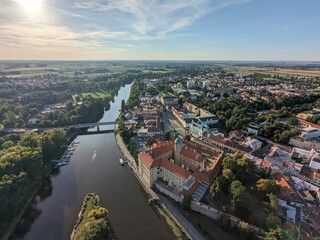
{"points": [[190, 231], [126, 155]]}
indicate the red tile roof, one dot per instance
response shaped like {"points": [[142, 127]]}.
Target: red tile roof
{"points": [[193, 188], [195, 156], [148, 160], [266, 164], [286, 190], [160, 148], [174, 168], [202, 177], [206, 150], [304, 122]]}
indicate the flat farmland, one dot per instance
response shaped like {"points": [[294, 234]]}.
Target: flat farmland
{"points": [[275, 71]]}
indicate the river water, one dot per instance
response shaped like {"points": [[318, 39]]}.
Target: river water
{"points": [[95, 167]]}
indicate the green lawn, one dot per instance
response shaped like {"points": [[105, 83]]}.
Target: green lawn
{"points": [[100, 94]]}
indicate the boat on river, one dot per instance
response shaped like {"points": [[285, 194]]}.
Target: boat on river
{"points": [[121, 161]]}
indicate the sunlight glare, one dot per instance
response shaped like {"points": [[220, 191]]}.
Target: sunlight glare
{"points": [[31, 6]]}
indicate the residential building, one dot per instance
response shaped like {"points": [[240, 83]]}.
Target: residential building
{"points": [[191, 84], [315, 163], [206, 84], [169, 100], [228, 144], [303, 143], [308, 114], [310, 133], [254, 128]]}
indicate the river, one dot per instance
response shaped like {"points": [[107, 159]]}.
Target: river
{"points": [[95, 167]]}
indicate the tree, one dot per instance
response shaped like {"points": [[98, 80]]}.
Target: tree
{"points": [[166, 135], [293, 121], [151, 141], [123, 105], [224, 221], [273, 202], [7, 144], [273, 221], [186, 202], [215, 188], [187, 137], [244, 229], [227, 174], [29, 140], [69, 105], [275, 234], [33, 111], [237, 191], [98, 213], [267, 185]]}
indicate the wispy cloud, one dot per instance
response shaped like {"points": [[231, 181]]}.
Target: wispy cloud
{"points": [[155, 19], [105, 25]]}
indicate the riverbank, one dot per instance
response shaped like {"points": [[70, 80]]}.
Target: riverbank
{"points": [[35, 189], [170, 215]]}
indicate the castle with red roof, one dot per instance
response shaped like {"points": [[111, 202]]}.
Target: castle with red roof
{"points": [[182, 165]]}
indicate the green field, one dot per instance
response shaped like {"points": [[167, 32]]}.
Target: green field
{"points": [[100, 94]]}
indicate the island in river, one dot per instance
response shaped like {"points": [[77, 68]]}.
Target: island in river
{"points": [[92, 221]]}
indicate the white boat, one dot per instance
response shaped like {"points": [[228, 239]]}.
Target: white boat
{"points": [[121, 161]]}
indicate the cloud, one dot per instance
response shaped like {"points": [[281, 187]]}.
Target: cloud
{"points": [[100, 25], [58, 37], [157, 19]]}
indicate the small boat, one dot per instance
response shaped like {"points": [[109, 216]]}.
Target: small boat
{"points": [[93, 155], [121, 161]]}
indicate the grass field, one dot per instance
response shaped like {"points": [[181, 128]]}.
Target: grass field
{"points": [[274, 71], [100, 94]]}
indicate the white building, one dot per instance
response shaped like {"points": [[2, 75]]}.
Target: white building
{"points": [[206, 84], [254, 128], [254, 144], [304, 154], [315, 163], [301, 142], [191, 84]]}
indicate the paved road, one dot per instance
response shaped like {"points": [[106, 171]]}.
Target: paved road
{"points": [[191, 230]]}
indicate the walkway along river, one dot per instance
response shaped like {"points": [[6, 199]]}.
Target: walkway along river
{"points": [[95, 167]]}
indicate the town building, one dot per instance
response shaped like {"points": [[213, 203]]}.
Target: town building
{"points": [[169, 100], [191, 84], [254, 128], [315, 163], [172, 163], [309, 114]]}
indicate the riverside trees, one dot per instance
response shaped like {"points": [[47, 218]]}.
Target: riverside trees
{"points": [[22, 168]]}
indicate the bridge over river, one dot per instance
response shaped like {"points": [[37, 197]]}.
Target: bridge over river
{"points": [[76, 126]]}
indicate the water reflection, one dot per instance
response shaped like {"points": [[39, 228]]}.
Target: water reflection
{"points": [[32, 211]]}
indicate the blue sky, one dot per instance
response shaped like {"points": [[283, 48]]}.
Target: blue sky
{"points": [[160, 29]]}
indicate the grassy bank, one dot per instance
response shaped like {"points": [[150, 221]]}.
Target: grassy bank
{"points": [[173, 226]]}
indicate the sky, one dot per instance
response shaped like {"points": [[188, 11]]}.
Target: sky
{"points": [[160, 30]]}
